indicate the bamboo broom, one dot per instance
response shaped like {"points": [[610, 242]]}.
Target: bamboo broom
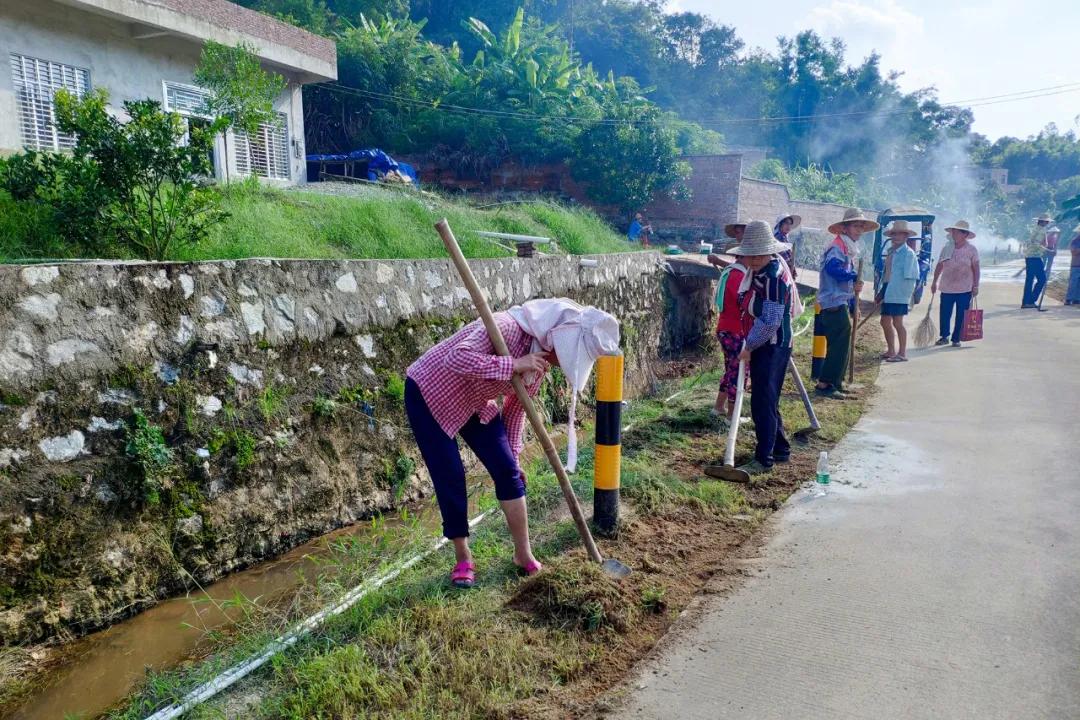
{"points": [[927, 331]]}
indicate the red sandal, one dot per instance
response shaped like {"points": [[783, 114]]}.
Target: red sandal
{"points": [[463, 575]]}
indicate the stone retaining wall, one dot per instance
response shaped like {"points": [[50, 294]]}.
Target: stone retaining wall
{"points": [[269, 395]]}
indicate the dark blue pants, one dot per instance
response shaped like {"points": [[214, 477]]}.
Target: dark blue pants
{"points": [[768, 367], [950, 301], [1034, 280], [443, 460]]}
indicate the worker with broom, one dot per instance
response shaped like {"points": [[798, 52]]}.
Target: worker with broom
{"points": [[768, 296], [958, 279], [839, 290], [452, 388], [1035, 252], [898, 287]]}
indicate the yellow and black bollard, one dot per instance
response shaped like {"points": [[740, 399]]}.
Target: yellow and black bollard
{"points": [[820, 346], [608, 466]]}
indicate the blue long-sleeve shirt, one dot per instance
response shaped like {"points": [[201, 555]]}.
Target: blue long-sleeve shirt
{"points": [[837, 279]]}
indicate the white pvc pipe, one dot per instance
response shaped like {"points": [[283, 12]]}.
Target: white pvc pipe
{"points": [[588, 262], [515, 238], [237, 672]]}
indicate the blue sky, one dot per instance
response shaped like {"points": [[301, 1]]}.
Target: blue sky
{"points": [[966, 49]]}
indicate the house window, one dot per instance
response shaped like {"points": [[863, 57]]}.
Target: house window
{"points": [[190, 103], [186, 100], [266, 153], [35, 83]]}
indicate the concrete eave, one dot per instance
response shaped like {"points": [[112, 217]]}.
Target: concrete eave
{"points": [[150, 21]]}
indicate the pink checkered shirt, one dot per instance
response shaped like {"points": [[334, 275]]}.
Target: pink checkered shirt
{"points": [[462, 376]]}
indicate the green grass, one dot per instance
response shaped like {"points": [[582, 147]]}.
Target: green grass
{"points": [[267, 222], [417, 649]]}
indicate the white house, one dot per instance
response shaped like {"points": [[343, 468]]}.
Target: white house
{"points": [[140, 49]]}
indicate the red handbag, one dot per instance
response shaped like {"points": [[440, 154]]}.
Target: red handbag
{"points": [[973, 323]]}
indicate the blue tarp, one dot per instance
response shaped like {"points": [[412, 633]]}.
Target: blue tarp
{"points": [[378, 163]]}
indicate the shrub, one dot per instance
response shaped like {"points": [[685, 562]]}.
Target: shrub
{"points": [[323, 407], [395, 389], [52, 206], [147, 449], [397, 474], [147, 168], [241, 442]]}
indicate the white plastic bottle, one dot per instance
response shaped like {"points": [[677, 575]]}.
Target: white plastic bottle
{"points": [[823, 473]]}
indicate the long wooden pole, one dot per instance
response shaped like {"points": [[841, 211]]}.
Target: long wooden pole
{"points": [[854, 329], [537, 422], [736, 415]]}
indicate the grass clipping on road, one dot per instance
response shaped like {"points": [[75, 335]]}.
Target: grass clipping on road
{"points": [[553, 645]]}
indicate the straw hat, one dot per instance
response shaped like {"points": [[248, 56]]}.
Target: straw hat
{"points": [[1047, 217], [963, 226], [854, 215], [730, 228], [900, 227], [758, 240], [796, 220]]}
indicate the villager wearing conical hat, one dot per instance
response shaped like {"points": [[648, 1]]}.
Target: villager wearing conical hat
{"points": [[451, 390], [1036, 253], [962, 227], [735, 232], [783, 227], [957, 276], [1072, 294], [898, 286], [769, 297], [839, 286]]}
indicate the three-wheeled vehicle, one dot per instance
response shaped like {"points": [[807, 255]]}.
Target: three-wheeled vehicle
{"points": [[922, 244]]}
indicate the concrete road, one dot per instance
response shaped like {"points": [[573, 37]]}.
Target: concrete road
{"points": [[939, 578]]}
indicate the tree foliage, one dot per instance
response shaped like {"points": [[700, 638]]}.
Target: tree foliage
{"points": [[131, 186], [626, 163], [805, 100], [242, 94]]}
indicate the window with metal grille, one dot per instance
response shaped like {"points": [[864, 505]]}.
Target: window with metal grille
{"points": [[266, 153], [187, 100], [35, 83]]}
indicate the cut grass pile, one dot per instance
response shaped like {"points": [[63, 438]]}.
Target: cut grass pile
{"points": [[574, 594], [363, 223], [552, 645]]}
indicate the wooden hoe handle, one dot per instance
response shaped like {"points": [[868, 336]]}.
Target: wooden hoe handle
{"points": [[537, 422]]}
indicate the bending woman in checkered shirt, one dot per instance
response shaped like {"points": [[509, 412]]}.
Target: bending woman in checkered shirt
{"points": [[452, 390]]}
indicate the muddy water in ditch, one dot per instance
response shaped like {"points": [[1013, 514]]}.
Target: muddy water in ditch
{"points": [[101, 669]]}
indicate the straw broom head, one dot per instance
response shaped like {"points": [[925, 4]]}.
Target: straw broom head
{"points": [[927, 331]]}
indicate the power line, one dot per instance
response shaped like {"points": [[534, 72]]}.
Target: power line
{"points": [[510, 114]]}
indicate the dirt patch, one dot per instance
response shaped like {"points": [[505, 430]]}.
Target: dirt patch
{"points": [[680, 550], [673, 555]]}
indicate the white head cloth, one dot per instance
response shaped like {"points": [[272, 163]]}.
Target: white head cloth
{"points": [[577, 335]]}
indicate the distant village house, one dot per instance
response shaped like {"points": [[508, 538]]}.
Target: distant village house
{"points": [[140, 49]]}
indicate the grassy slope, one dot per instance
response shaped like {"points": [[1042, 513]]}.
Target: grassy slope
{"points": [[377, 223], [541, 647]]}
